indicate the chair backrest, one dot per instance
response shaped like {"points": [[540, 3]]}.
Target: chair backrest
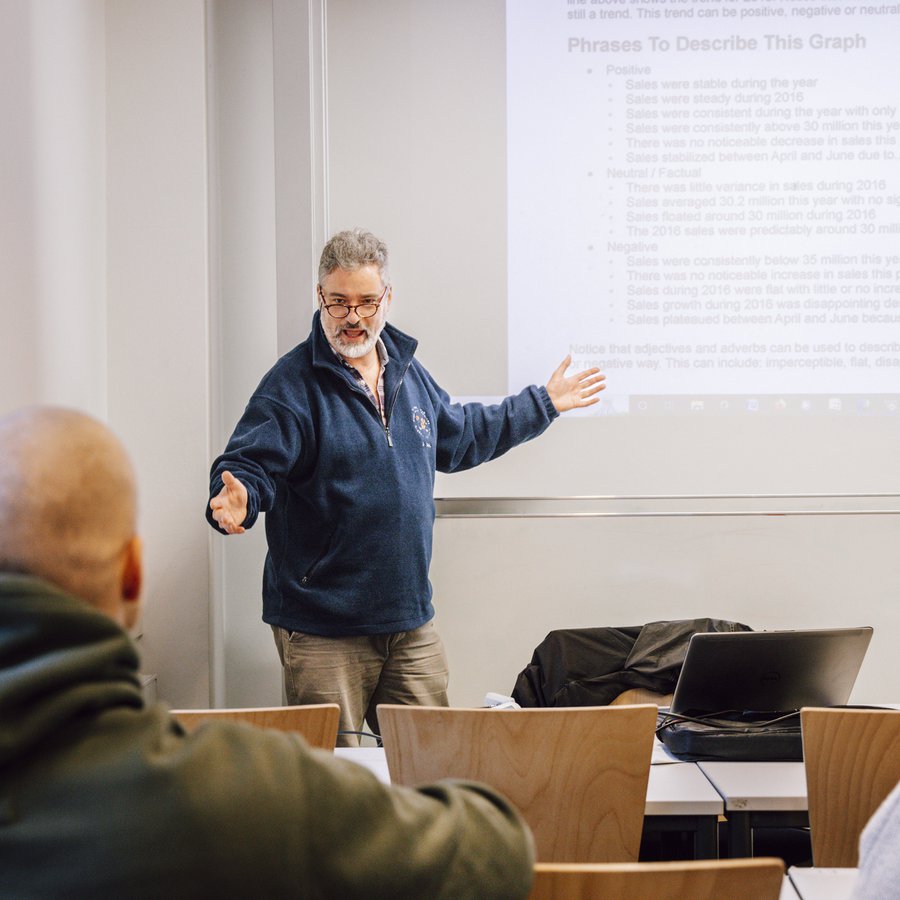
{"points": [[317, 723], [641, 695], [578, 775], [760, 879], [852, 759]]}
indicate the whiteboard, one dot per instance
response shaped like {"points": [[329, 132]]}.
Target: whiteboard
{"points": [[417, 152]]}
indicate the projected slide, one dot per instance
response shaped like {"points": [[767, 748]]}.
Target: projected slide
{"points": [[704, 201]]}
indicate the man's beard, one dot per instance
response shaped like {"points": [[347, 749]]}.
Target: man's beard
{"points": [[355, 350]]}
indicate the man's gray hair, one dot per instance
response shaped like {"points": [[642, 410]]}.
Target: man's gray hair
{"points": [[352, 249]]}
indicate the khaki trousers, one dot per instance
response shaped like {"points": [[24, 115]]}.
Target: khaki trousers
{"points": [[359, 672]]}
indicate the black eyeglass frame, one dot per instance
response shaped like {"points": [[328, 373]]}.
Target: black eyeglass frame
{"points": [[346, 307]]}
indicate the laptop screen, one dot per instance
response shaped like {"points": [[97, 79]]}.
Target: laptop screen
{"points": [[769, 671]]}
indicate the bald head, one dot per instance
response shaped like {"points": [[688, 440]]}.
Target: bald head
{"points": [[68, 505]]}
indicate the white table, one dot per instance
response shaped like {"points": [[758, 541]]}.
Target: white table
{"points": [[758, 794], [372, 758], [679, 797], [823, 884]]}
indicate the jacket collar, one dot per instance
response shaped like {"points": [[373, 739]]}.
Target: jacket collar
{"points": [[400, 346]]}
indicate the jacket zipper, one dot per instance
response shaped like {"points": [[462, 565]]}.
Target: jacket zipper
{"points": [[315, 563], [385, 423], [390, 408]]}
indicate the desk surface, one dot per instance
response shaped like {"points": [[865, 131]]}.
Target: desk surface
{"points": [[711, 789], [372, 758], [822, 884], [681, 789], [677, 789], [759, 786]]}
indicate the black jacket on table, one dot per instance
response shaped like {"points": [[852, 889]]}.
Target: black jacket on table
{"points": [[592, 666], [104, 797]]}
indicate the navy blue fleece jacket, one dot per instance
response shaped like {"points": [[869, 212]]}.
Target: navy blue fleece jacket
{"points": [[349, 502]]}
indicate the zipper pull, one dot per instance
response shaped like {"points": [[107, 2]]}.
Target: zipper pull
{"points": [[387, 431]]}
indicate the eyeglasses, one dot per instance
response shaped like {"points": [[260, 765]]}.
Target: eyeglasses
{"points": [[342, 310]]}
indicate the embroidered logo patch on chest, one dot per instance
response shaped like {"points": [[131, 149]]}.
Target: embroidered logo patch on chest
{"points": [[422, 425]]}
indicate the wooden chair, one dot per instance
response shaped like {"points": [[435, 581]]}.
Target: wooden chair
{"points": [[760, 879], [641, 695], [578, 775], [852, 759], [317, 723]]}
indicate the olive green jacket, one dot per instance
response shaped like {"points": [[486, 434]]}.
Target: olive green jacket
{"points": [[102, 796]]}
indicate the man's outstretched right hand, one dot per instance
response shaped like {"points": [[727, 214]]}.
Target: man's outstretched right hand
{"points": [[229, 506]]}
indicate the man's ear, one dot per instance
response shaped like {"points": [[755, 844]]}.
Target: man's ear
{"points": [[131, 581], [132, 570]]}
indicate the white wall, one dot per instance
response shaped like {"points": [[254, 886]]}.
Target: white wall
{"points": [[140, 268], [52, 215], [158, 297], [18, 312], [103, 230], [244, 320], [502, 584]]}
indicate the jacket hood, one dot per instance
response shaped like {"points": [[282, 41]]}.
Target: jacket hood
{"points": [[60, 661]]}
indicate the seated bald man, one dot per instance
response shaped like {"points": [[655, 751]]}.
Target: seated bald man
{"points": [[103, 796]]}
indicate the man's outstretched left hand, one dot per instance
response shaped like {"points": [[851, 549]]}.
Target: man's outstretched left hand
{"points": [[576, 390]]}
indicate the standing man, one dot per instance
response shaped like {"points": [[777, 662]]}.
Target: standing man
{"points": [[339, 445]]}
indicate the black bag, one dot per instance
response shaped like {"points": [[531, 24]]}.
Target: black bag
{"points": [[733, 737]]}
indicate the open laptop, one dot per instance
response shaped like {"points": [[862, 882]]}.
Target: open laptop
{"points": [[769, 671], [739, 693]]}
